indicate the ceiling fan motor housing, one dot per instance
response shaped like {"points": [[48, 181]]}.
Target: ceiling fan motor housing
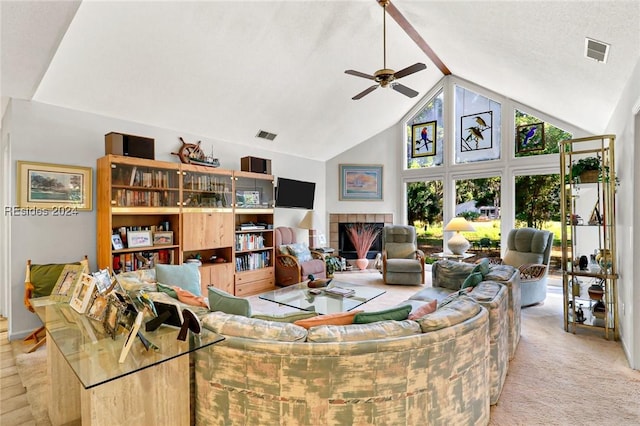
{"points": [[384, 76]]}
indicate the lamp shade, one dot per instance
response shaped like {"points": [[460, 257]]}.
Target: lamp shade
{"points": [[459, 224], [310, 221]]}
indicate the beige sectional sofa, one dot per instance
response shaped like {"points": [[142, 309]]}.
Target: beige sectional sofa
{"points": [[430, 371]]}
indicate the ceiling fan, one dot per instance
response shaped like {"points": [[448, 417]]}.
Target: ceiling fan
{"points": [[385, 76]]}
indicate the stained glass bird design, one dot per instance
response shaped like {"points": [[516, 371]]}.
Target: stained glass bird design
{"points": [[528, 136], [424, 139]]}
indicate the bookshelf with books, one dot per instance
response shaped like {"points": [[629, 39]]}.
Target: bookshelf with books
{"points": [[207, 223], [137, 198], [253, 245]]}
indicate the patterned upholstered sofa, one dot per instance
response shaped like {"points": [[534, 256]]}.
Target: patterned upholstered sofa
{"points": [[434, 370], [448, 276]]}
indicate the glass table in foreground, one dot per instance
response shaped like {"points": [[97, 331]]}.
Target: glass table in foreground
{"points": [[87, 380], [302, 297]]}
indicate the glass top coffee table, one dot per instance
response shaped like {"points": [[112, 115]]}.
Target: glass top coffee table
{"points": [[302, 297]]}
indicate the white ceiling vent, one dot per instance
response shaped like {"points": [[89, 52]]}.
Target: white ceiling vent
{"points": [[596, 50], [266, 135]]}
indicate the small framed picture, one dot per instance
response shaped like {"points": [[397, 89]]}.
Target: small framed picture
{"points": [[66, 284], [113, 314], [139, 239], [103, 280], [163, 238], [116, 242], [83, 293], [530, 137], [98, 307]]}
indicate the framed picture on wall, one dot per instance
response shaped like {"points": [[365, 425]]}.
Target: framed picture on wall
{"points": [[361, 182], [423, 139], [62, 189]]}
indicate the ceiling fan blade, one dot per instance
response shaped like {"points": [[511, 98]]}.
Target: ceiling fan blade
{"points": [[365, 92], [404, 90], [410, 70], [359, 74]]}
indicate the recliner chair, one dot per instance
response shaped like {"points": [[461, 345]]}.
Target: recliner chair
{"points": [[402, 261], [529, 250]]}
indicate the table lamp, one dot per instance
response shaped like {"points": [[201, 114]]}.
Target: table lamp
{"points": [[310, 221], [458, 244]]}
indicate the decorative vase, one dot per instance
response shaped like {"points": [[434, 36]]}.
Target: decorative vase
{"points": [[604, 259], [362, 264], [596, 291], [599, 309]]}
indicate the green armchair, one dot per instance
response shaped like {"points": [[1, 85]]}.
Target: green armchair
{"points": [[402, 261]]}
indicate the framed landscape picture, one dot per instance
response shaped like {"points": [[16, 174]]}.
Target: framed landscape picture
{"points": [[361, 182], [139, 239], [163, 238], [62, 189]]}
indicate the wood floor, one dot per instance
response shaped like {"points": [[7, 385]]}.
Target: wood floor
{"points": [[14, 406]]}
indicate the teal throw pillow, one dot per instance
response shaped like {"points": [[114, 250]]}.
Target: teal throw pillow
{"points": [[167, 289], [222, 301], [482, 266], [397, 314], [300, 251], [288, 317], [186, 276], [472, 280]]}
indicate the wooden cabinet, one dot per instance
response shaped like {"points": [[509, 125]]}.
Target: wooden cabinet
{"points": [[137, 195], [588, 234], [253, 249], [222, 217]]}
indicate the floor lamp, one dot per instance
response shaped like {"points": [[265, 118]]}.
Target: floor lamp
{"points": [[311, 221]]}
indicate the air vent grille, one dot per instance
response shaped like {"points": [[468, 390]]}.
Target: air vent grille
{"points": [[596, 50], [266, 135]]}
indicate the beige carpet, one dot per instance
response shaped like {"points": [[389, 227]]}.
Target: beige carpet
{"points": [[556, 378]]}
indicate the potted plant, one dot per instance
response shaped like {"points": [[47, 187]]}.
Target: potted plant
{"points": [[586, 170], [362, 236], [333, 265]]}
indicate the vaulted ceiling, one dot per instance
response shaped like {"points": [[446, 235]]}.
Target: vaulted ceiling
{"points": [[226, 69]]}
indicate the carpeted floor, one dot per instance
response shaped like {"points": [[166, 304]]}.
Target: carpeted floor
{"points": [[556, 378]]}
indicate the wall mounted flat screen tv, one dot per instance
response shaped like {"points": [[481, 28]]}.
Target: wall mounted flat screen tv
{"points": [[292, 193]]}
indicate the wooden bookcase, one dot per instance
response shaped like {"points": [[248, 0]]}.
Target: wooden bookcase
{"points": [[137, 194], [205, 209], [254, 240]]}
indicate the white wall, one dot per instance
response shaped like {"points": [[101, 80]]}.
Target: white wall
{"points": [[380, 149], [51, 134], [625, 123]]}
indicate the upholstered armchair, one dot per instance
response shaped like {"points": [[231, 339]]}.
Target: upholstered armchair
{"points": [[402, 261], [529, 250], [294, 261]]}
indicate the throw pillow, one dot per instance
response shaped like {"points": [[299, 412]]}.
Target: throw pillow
{"points": [[167, 289], [186, 276], [482, 266], [189, 298], [472, 280], [340, 318], [44, 277], [300, 251], [396, 314], [425, 309], [224, 302], [288, 317], [283, 249]]}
